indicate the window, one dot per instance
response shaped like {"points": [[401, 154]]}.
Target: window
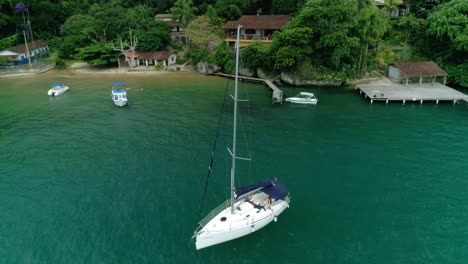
{"points": [[250, 31], [123, 96], [116, 97]]}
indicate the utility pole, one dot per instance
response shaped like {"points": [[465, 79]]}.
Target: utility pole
{"points": [[27, 49]]}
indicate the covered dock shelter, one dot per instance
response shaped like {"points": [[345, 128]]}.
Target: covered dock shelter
{"points": [[413, 72]]}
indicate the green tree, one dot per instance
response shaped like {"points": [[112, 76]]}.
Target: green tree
{"points": [[98, 54], [8, 41], [66, 46], [223, 58], [256, 55], [410, 23], [447, 27], [450, 21], [361, 4], [152, 36], [333, 22], [389, 6], [203, 34], [292, 45], [284, 7], [184, 12], [371, 27], [228, 9], [80, 25]]}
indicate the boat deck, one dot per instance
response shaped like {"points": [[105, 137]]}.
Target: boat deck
{"points": [[410, 93]]}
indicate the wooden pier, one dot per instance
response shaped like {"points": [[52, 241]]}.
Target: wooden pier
{"points": [[393, 92], [277, 96]]}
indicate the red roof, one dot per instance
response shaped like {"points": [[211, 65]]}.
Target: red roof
{"points": [[158, 55], [259, 22], [420, 68], [33, 45]]}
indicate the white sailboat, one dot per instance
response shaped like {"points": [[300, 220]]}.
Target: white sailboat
{"points": [[250, 207]]}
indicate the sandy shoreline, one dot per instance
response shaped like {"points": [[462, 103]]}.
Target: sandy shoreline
{"points": [[79, 67]]}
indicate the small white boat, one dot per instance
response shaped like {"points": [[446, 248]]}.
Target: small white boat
{"points": [[57, 89], [303, 98], [119, 95]]}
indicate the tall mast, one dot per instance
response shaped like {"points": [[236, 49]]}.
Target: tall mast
{"points": [[234, 134]]}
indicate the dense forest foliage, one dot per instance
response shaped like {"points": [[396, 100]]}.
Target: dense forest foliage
{"points": [[324, 40]]}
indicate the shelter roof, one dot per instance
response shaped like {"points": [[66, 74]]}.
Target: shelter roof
{"points": [[163, 16], [157, 55], [259, 22], [420, 68], [7, 53], [33, 45]]}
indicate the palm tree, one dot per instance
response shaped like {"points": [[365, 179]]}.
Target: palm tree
{"points": [[390, 5], [361, 4], [371, 26], [184, 12], [410, 23]]}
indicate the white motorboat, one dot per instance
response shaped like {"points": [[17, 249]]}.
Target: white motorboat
{"points": [[250, 208], [119, 95], [57, 89], [303, 98]]}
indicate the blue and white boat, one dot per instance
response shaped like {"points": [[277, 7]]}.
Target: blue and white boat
{"points": [[57, 89], [119, 95]]}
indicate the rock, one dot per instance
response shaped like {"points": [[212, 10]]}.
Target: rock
{"points": [[207, 68], [293, 79], [268, 76], [246, 72]]}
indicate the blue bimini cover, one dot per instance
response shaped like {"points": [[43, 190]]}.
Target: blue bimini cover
{"points": [[245, 189], [57, 84], [278, 190], [118, 84], [272, 187], [118, 91]]}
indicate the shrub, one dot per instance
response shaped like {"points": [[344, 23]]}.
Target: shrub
{"points": [[159, 66]]}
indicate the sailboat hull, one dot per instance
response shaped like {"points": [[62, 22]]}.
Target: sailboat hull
{"points": [[244, 222]]}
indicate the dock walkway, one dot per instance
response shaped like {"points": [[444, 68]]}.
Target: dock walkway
{"points": [[410, 93], [277, 96]]}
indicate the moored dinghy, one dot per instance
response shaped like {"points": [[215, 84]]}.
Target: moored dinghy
{"points": [[250, 207], [119, 95], [303, 98], [57, 89]]}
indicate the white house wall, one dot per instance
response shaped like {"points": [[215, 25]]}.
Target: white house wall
{"points": [[394, 73], [172, 59]]}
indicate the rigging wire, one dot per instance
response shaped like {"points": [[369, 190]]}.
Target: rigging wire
{"points": [[210, 167]]}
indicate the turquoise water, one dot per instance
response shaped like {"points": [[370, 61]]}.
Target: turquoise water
{"points": [[82, 181]]}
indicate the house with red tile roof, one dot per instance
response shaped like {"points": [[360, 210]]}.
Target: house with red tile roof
{"points": [[254, 28], [141, 58]]}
